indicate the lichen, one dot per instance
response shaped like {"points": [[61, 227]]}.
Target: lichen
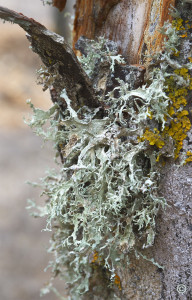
{"points": [[117, 281], [189, 157], [103, 203], [49, 2], [177, 86], [106, 188], [100, 51]]}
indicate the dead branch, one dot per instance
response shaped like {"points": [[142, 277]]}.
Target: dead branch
{"points": [[59, 58]]}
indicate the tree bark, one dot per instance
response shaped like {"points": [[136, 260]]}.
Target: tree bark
{"points": [[172, 247]]}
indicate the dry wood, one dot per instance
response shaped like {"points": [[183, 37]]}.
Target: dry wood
{"points": [[60, 60], [133, 24]]}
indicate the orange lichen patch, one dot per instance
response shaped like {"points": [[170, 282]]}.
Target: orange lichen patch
{"points": [[182, 26], [177, 120], [171, 110], [180, 123], [95, 257], [178, 130], [117, 282], [178, 24], [183, 35]]}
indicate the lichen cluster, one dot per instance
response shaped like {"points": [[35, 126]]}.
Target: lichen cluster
{"points": [[97, 52], [105, 197], [177, 86], [103, 203]]}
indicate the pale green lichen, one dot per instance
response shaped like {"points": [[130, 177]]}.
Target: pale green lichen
{"points": [[106, 187], [105, 198], [98, 52]]}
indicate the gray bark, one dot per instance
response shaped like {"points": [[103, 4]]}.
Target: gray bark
{"points": [[172, 248]]}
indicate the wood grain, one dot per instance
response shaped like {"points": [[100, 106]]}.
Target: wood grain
{"points": [[90, 17], [133, 24]]}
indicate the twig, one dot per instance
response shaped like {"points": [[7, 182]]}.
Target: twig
{"points": [[60, 59]]}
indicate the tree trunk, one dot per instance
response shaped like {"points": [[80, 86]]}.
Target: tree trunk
{"points": [[135, 29], [134, 26], [172, 247]]}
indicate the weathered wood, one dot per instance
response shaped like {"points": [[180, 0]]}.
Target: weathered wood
{"points": [[60, 60], [91, 16], [133, 24]]}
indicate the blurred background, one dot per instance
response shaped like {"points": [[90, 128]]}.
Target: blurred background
{"points": [[23, 256]]}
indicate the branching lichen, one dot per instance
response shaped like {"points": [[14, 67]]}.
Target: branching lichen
{"points": [[103, 203], [106, 189], [97, 52]]}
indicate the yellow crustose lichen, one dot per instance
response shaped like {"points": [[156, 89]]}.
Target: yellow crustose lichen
{"points": [[179, 124], [189, 158], [177, 121], [181, 25], [153, 137]]}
